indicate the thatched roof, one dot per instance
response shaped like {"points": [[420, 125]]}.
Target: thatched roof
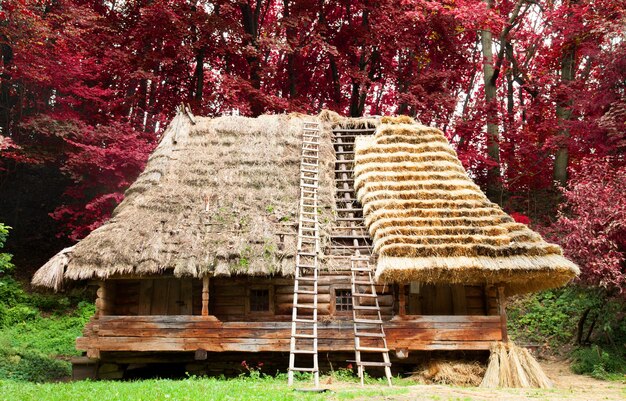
{"points": [[218, 196], [431, 223]]}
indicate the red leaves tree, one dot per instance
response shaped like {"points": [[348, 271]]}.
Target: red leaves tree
{"points": [[86, 87], [592, 223]]}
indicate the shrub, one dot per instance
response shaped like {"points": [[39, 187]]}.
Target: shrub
{"points": [[599, 363], [30, 365], [5, 258]]}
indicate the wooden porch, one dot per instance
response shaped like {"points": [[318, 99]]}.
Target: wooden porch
{"points": [[192, 333]]}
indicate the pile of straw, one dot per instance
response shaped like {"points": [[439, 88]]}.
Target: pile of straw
{"points": [[513, 366], [218, 196], [454, 373], [431, 223]]}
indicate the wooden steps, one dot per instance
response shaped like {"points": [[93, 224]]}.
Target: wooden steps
{"points": [[351, 238]]}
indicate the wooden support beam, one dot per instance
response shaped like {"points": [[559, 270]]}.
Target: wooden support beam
{"points": [[402, 301], [205, 296], [502, 310]]}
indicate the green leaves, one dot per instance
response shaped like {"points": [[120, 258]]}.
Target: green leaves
{"points": [[5, 258]]}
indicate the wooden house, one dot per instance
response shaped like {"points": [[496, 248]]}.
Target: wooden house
{"points": [[373, 223]]}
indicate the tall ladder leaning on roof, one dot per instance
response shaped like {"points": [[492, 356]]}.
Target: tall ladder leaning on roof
{"points": [[303, 346], [370, 343]]}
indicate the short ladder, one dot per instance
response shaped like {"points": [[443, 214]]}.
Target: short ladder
{"points": [[370, 344], [303, 355]]}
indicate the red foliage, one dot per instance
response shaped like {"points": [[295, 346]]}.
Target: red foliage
{"points": [[87, 86], [592, 223]]}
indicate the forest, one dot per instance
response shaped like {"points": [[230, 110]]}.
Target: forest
{"points": [[531, 95]]}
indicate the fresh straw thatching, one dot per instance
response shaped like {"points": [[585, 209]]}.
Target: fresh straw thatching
{"points": [[218, 196], [431, 223], [513, 366]]}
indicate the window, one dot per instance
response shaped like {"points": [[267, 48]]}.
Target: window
{"points": [[259, 300], [343, 300]]}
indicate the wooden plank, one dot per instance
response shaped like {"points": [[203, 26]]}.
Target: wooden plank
{"points": [[145, 296], [186, 290], [159, 297], [459, 300], [173, 301], [502, 310]]}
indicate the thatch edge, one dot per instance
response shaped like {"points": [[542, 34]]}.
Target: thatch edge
{"points": [[51, 274], [518, 274]]}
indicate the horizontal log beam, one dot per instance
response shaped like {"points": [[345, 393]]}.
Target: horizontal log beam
{"points": [[189, 333]]}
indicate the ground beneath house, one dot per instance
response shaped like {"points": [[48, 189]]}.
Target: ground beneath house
{"points": [[569, 386]]}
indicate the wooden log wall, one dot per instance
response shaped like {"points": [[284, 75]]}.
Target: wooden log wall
{"points": [[229, 298], [190, 333]]}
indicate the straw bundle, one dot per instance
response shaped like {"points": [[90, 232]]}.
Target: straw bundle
{"points": [[219, 196], [513, 366], [431, 223], [455, 373]]}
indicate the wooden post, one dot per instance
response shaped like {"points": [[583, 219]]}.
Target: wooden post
{"points": [[502, 310], [101, 300], [205, 296], [402, 301]]}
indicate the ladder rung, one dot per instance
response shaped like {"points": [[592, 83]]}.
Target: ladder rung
{"points": [[362, 334], [300, 320], [362, 282], [303, 369], [297, 335], [307, 253], [310, 279], [366, 363], [371, 349], [309, 292], [350, 237], [349, 210], [304, 351], [359, 294], [368, 321], [359, 307], [306, 306], [360, 269]]}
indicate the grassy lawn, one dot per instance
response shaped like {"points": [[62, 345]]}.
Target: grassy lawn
{"points": [[259, 389]]}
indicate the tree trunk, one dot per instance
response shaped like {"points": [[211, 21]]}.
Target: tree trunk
{"points": [[250, 20], [5, 81], [493, 146], [564, 114], [581, 326], [199, 77]]}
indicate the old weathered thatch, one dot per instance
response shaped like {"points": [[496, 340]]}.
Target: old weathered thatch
{"points": [[218, 196], [431, 223]]}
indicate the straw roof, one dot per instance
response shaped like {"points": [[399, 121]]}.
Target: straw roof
{"points": [[218, 196], [431, 223]]}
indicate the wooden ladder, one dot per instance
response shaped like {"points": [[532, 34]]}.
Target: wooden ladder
{"points": [[369, 335], [303, 346]]}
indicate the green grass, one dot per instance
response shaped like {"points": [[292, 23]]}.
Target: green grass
{"points": [[192, 389]]}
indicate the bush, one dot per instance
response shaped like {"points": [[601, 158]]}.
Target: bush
{"points": [[30, 365], [5, 258], [550, 317], [599, 363]]}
